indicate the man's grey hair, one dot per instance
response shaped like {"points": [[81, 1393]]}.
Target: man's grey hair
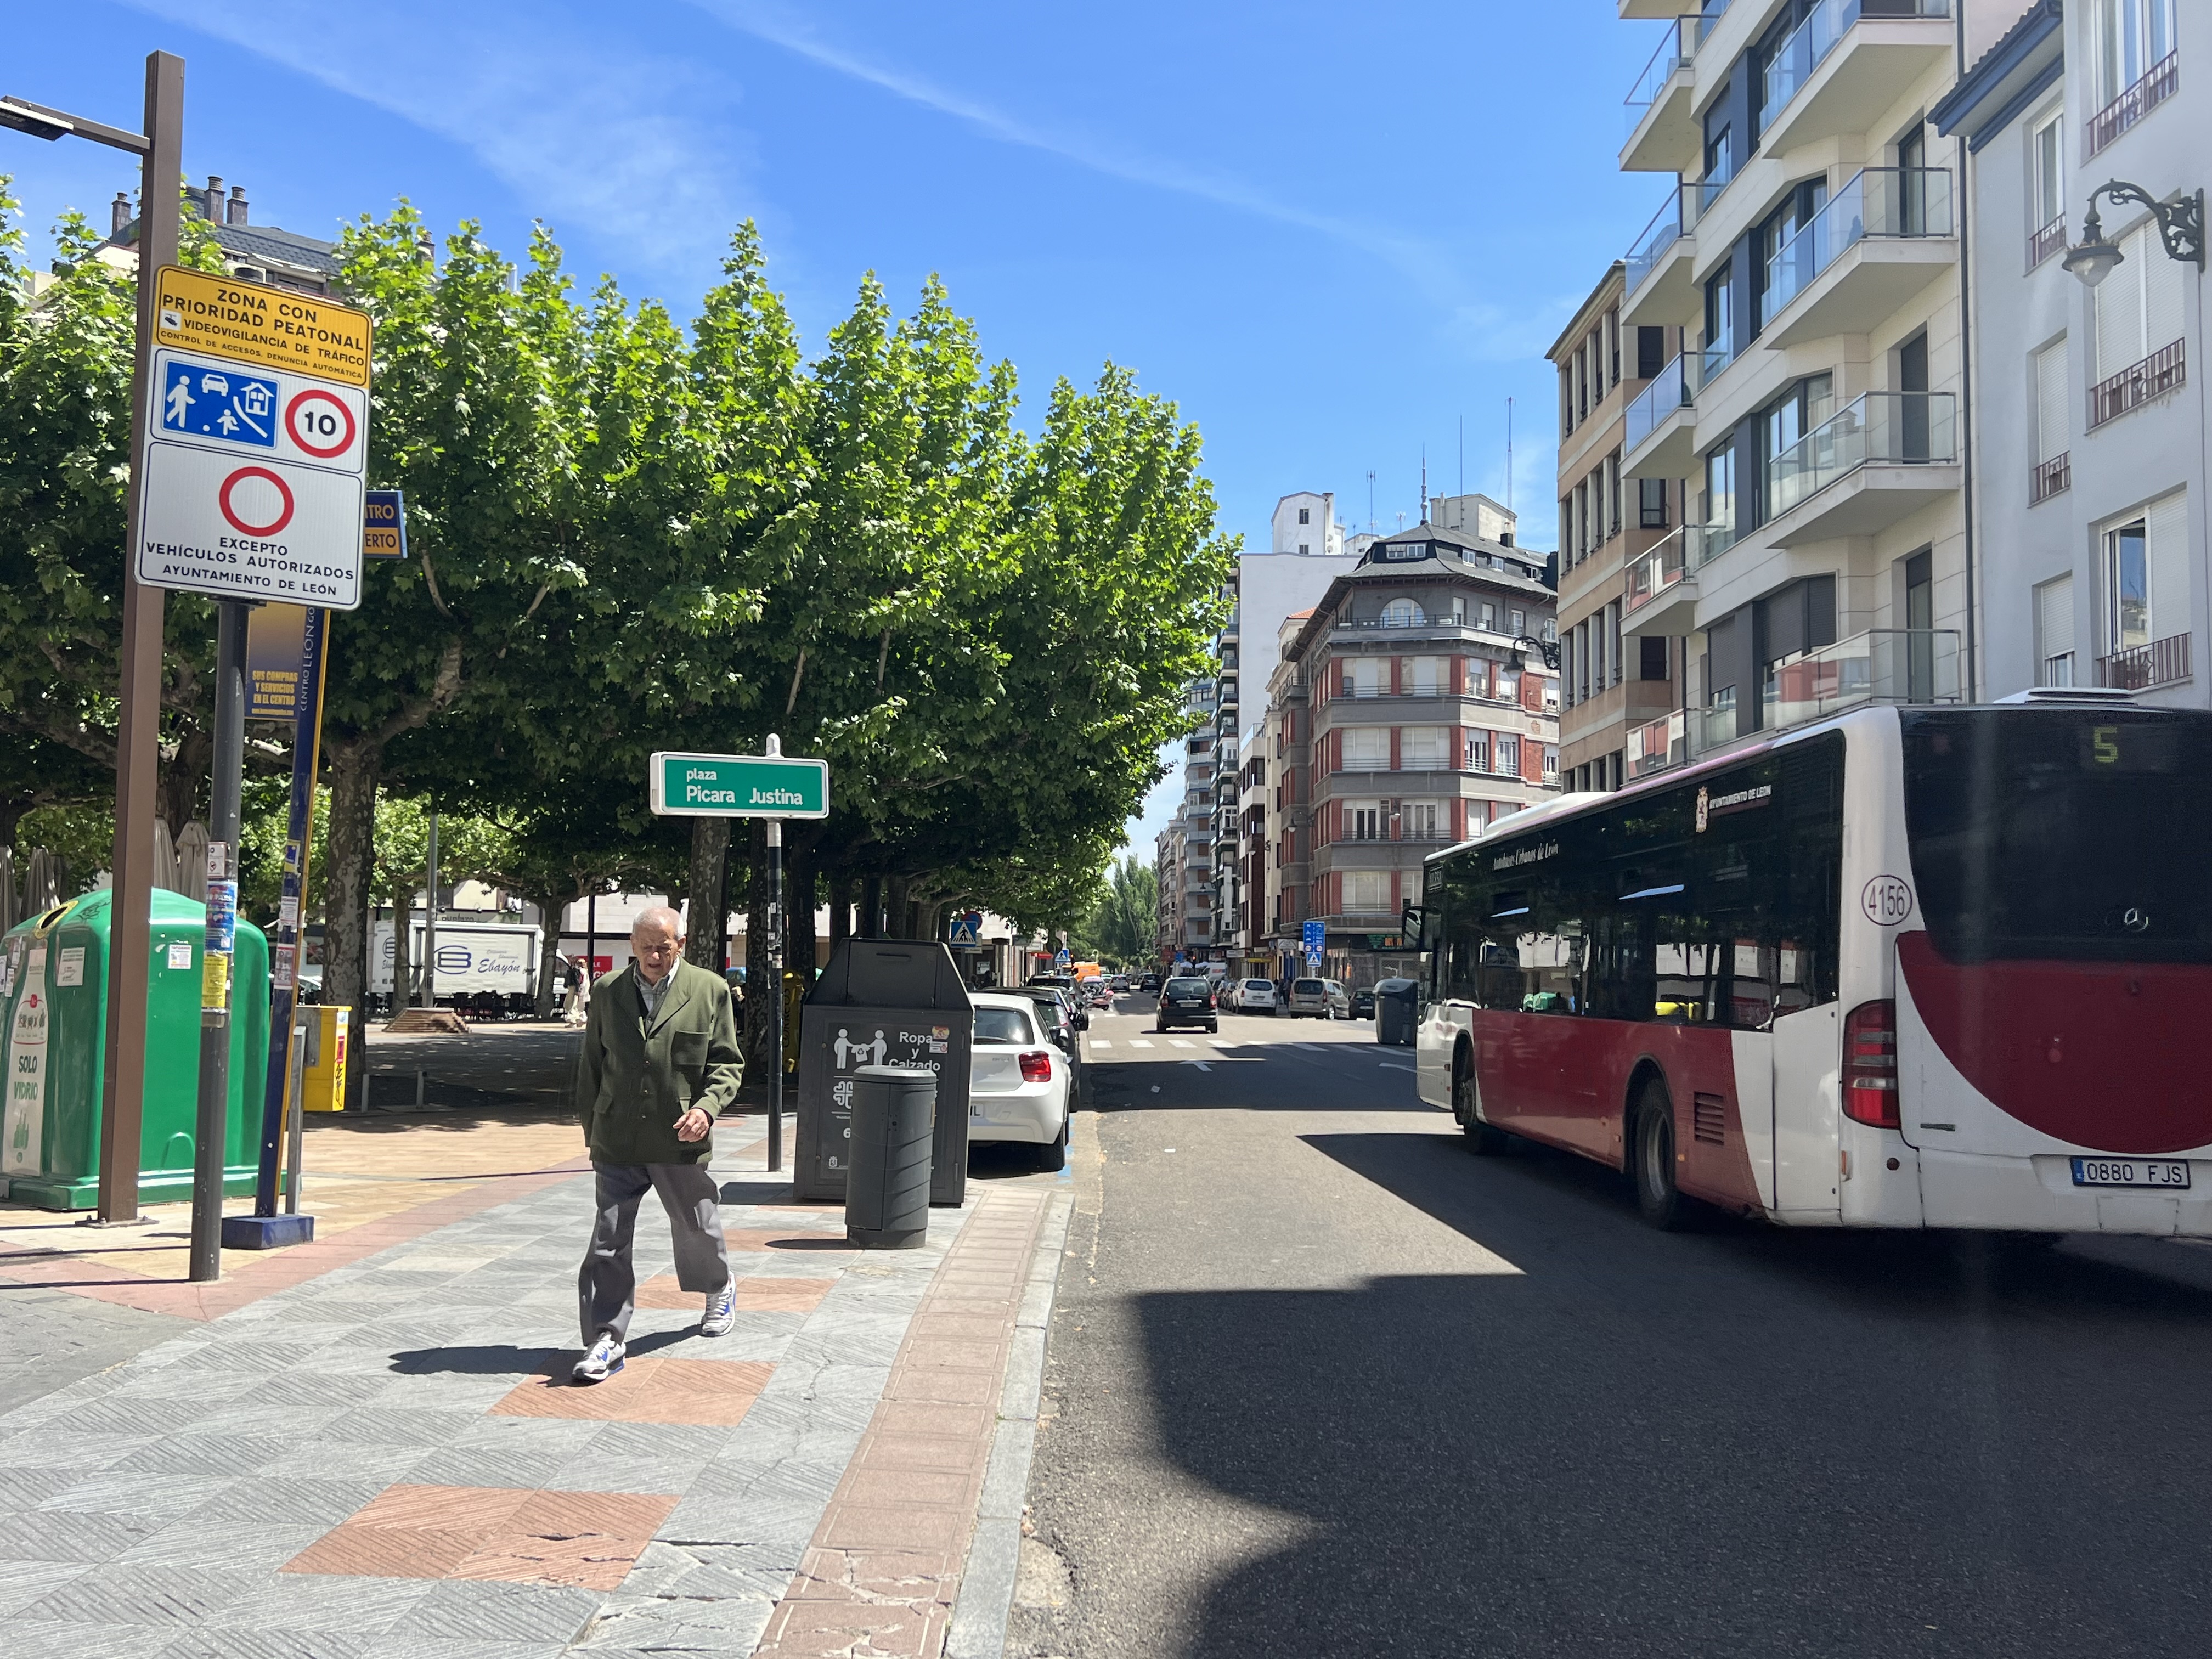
{"points": [[667, 914]]}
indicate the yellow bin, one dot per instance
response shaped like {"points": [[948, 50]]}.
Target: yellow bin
{"points": [[323, 1084]]}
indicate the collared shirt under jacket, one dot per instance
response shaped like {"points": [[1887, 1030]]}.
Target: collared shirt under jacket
{"points": [[636, 1075]]}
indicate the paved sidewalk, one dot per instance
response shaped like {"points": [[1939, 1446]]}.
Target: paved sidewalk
{"points": [[385, 1458]]}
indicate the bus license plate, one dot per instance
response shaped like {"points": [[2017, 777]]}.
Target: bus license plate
{"points": [[2130, 1172]]}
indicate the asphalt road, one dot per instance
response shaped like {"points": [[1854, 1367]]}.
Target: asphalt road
{"points": [[1320, 1383]]}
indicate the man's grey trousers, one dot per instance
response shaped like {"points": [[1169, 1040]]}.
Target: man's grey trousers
{"points": [[606, 1286]]}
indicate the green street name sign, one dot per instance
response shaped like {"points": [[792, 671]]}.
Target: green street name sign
{"points": [[738, 786]]}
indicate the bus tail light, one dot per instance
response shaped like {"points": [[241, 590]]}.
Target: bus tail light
{"points": [[1036, 1066], [1870, 1064]]}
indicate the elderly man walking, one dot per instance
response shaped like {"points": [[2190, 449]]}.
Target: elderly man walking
{"points": [[659, 1063]]}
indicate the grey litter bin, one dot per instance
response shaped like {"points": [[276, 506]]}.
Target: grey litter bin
{"points": [[878, 1002], [1397, 1011], [887, 1179]]}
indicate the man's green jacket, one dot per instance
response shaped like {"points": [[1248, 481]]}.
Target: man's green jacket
{"points": [[634, 1079]]}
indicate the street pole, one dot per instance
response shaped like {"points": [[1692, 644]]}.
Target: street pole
{"points": [[775, 981], [138, 747], [430, 919], [209, 1149]]}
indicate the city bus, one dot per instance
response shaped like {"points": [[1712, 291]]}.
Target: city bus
{"points": [[1943, 967]]}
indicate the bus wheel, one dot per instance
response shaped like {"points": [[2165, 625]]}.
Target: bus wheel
{"points": [[1482, 1139], [1652, 1160]]}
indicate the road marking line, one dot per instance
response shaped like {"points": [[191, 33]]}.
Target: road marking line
{"points": [[1200, 1064], [1220, 1042], [1391, 1065], [1138, 1042], [1102, 1043], [1177, 1043]]}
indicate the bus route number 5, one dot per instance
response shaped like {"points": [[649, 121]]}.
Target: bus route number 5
{"points": [[1887, 900]]}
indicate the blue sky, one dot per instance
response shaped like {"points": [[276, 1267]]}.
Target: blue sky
{"points": [[1330, 232]]}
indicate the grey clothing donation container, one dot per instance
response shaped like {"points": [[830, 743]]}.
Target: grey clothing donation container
{"points": [[1397, 1011], [882, 1002], [894, 1119]]}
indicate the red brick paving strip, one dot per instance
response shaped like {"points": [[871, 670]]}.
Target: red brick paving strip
{"points": [[648, 1391], [799, 1296], [590, 1540], [881, 1577]]}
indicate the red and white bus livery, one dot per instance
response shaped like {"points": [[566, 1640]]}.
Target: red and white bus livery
{"points": [[1924, 967]]}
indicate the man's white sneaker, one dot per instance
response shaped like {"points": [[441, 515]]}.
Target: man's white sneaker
{"points": [[721, 1314], [604, 1359]]}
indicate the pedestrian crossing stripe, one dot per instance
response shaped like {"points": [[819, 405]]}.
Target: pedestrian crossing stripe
{"points": [[1138, 1042], [1177, 1043]]}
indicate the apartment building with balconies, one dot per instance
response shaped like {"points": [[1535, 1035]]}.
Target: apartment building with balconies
{"points": [[2089, 442], [1411, 709], [1609, 685], [1286, 826], [1806, 253]]}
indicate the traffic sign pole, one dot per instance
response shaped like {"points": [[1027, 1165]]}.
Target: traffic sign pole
{"points": [[209, 1149], [138, 734]]}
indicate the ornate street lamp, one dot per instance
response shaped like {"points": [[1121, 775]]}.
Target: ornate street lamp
{"points": [[2180, 225], [1547, 649]]}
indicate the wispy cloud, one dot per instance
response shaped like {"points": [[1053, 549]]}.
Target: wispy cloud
{"points": [[579, 129], [1424, 263]]}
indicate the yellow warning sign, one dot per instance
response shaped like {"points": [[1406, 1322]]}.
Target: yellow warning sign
{"points": [[268, 327]]}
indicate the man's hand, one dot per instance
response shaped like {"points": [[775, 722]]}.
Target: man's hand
{"points": [[693, 1125]]}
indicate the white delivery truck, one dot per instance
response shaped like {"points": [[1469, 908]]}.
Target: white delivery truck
{"points": [[472, 957]]}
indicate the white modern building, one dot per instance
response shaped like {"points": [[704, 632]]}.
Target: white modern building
{"points": [[1806, 255], [2089, 439]]}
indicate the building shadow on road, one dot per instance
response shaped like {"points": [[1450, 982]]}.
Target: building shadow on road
{"points": [[1726, 1442]]}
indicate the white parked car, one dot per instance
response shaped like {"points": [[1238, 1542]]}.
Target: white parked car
{"points": [[1020, 1087], [1256, 996]]}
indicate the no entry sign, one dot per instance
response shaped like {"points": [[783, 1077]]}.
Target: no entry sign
{"points": [[254, 470]]}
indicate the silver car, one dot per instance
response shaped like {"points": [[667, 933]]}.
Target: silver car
{"points": [[1324, 998]]}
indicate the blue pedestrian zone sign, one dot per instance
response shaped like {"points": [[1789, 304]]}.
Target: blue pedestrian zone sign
{"points": [[207, 400], [1316, 937], [1063, 958]]}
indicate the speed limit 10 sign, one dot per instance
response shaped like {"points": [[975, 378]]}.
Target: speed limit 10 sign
{"points": [[254, 474]]}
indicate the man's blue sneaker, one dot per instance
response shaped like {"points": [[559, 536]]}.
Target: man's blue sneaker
{"points": [[604, 1359], [722, 1311]]}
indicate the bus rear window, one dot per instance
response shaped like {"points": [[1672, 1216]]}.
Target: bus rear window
{"points": [[2061, 833]]}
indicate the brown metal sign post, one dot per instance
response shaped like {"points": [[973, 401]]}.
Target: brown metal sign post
{"points": [[161, 149]]}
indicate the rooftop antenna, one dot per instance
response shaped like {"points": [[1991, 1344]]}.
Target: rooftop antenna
{"points": [[1370, 501], [1509, 454], [1462, 454], [1424, 483]]}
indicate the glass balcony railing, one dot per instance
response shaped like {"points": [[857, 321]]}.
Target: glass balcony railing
{"points": [[1656, 571], [1668, 393], [1676, 47], [1809, 47], [1708, 360], [1709, 16], [1657, 745], [1876, 201], [1883, 665], [1879, 429], [1655, 239]]}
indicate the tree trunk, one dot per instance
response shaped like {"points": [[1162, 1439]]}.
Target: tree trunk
{"points": [[798, 906], [840, 911], [871, 908], [548, 951], [186, 777], [346, 897], [406, 972], [899, 921], [710, 848]]}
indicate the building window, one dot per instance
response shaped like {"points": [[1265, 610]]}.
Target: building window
{"points": [[1306, 547], [2138, 305], [1517, 621], [1363, 677], [1427, 677], [1363, 820], [1551, 764], [1367, 748], [1650, 351], [1612, 493], [1305, 515], [1653, 665], [1651, 503], [2128, 39], [2053, 420], [1613, 635], [2046, 191], [1477, 751], [1366, 892], [1402, 613], [1423, 749], [1720, 489], [2054, 631], [2145, 578], [1508, 748], [1487, 614], [1418, 820]]}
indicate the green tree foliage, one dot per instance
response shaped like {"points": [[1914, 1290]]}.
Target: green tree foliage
{"points": [[628, 532]]}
